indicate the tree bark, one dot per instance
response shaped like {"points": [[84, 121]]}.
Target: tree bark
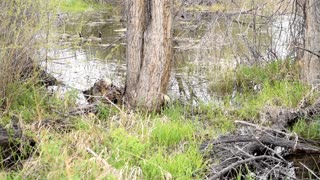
{"points": [[311, 65], [149, 52]]}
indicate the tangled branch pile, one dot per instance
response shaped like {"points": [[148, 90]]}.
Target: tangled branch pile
{"points": [[258, 152], [267, 153]]}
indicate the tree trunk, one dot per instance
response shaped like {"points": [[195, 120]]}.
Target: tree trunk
{"points": [[149, 52], [311, 65]]}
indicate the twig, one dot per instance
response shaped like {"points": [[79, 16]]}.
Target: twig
{"points": [[295, 141], [244, 152], [108, 101], [304, 99], [268, 148], [104, 162], [309, 51], [309, 170], [113, 104], [233, 165], [262, 128]]}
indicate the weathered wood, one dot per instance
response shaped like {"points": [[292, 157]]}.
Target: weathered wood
{"points": [[238, 163], [311, 62], [257, 148], [282, 118], [149, 52]]}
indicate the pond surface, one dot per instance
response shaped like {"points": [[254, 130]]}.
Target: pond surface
{"points": [[80, 61]]}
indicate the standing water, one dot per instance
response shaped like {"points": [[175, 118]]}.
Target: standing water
{"points": [[94, 48]]}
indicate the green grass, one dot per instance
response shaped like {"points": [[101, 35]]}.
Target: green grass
{"points": [[245, 77], [73, 5], [277, 93], [137, 145], [183, 165], [76, 6], [171, 133], [279, 86], [308, 129], [127, 149]]}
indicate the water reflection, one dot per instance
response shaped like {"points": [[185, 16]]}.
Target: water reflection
{"points": [[78, 63], [82, 64]]}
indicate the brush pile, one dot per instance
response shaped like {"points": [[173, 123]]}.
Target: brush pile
{"points": [[261, 152]]}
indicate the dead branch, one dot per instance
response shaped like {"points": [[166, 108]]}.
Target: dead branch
{"points": [[108, 167], [310, 171], [308, 50], [236, 164]]}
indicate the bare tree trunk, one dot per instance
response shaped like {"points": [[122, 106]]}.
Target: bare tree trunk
{"points": [[149, 52], [311, 65]]}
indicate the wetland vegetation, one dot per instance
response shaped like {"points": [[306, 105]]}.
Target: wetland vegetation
{"points": [[230, 64]]}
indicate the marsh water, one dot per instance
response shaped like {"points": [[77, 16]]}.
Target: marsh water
{"points": [[78, 62]]}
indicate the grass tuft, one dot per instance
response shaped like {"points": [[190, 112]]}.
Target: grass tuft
{"points": [[310, 130], [171, 133]]}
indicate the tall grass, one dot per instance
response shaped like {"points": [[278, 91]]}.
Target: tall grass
{"points": [[22, 25]]}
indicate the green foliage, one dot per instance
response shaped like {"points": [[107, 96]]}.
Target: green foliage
{"points": [[171, 133], [106, 111], [32, 102], [26, 100], [80, 5], [277, 93], [183, 165], [127, 149], [246, 77], [73, 5], [274, 84], [175, 112], [216, 117], [310, 130]]}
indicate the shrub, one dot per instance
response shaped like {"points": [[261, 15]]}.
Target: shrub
{"points": [[21, 24]]}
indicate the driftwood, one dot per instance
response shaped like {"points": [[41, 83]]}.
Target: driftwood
{"points": [[260, 150]]}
